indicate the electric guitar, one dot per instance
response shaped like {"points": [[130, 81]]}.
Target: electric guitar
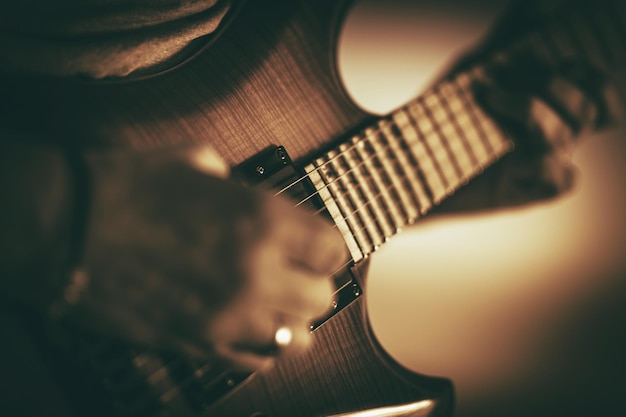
{"points": [[266, 97]]}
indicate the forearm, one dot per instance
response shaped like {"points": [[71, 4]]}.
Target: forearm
{"points": [[34, 218]]}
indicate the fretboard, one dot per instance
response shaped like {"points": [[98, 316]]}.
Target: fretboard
{"points": [[395, 170]]}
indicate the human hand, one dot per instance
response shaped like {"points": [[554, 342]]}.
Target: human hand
{"points": [[181, 260], [546, 110]]}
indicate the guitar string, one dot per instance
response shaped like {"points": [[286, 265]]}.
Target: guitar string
{"points": [[377, 154], [189, 379], [433, 92], [191, 376], [374, 130], [390, 186], [377, 196], [366, 138], [389, 118], [431, 171], [462, 93]]}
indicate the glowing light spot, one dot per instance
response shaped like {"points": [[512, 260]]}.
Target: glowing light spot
{"points": [[283, 336]]}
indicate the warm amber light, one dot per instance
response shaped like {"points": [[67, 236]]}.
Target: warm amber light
{"points": [[523, 301]]}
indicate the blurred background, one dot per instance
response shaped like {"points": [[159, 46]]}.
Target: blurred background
{"points": [[525, 309]]}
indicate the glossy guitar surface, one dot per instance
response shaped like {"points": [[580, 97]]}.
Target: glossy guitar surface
{"points": [[268, 80]]}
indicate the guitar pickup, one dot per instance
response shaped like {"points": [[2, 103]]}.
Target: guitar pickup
{"points": [[262, 167]]}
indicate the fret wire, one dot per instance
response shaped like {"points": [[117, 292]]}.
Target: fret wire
{"points": [[406, 198], [446, 104], [390, 185], [298, 180], [321, 166], [385, 174], [578, 45], [490, 157], [359, 208], [475, 129], [391, 201], [356, 209], [498, 138], [429, 152], [383, 208], [381, 149], [417, 152], [339, 197], [434, 113], [549, 42], [338, 155], [357, 199], [437, 128], [376, 233], [333, 158], [334, 210], [346, 198], [295, 182], [420, 152], [469, 109], [330, 160], [418, 181]]}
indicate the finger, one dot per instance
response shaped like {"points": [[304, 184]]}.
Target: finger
{"points": [[522, 72], [540, 125], [242, 340], [539, 178], [279, 284], [310, 241], [573, 105], [593, 83], [245, 360], [304, 295], [301, 337], [251, 345], [314, 246]]}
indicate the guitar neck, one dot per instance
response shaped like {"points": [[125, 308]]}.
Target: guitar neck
{"points": [[395, 170]]}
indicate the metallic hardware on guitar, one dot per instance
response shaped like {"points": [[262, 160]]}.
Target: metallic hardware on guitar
{"points": [[273, 168], [417, 409]]}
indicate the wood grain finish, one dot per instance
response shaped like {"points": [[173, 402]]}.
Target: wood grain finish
{"points": [[346, 370], [269, 82]]}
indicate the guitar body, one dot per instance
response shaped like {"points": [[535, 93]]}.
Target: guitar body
{"points": [[263, 82], [345, 371], [268, 79]]}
